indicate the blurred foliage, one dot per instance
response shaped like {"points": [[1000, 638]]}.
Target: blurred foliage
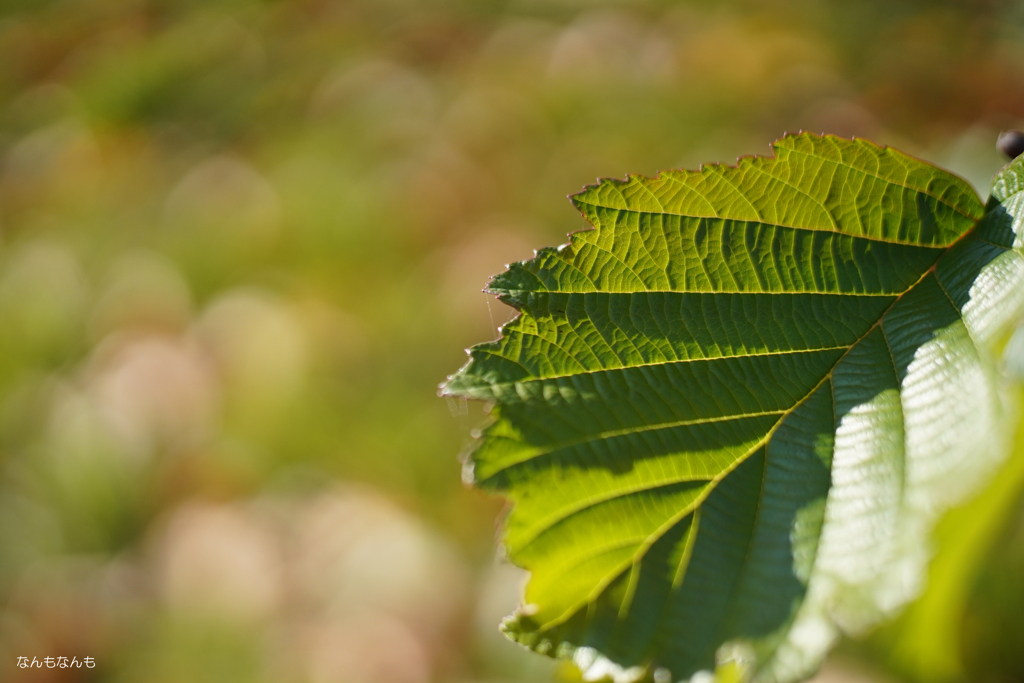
{"points": [[241, 241]]}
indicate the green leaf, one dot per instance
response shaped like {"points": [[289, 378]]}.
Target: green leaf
{"points": [[729, 415], [925, 643]]}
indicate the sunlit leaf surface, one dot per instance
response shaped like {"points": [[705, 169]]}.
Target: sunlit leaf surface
{"points": [[729, 414]]}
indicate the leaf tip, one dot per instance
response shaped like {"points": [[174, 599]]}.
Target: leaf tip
{"points": [[529, 609]]}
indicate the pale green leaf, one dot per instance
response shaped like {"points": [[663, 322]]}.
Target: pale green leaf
{"points": [[729, 415], [925, 643]]}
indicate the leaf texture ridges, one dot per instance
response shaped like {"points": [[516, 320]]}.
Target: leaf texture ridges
{"points": [[729, 414]]}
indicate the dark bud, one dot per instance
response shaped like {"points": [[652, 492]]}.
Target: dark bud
{"points": [[1011, 143]]}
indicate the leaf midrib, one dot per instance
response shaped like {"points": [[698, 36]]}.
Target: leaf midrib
{"points": [[612, 433], [655, 364], [771, 224]]}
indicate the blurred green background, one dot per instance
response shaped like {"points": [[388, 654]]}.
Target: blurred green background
{"points": [[242, 241]]}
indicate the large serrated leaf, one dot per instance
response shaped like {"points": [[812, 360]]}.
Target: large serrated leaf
{"points": [[729, 415]]}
